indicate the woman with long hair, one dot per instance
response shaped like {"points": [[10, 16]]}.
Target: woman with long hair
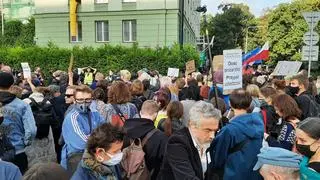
{"points": [[173, 122]]}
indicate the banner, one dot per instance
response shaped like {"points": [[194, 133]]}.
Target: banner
{"points": [[285, 68], [232, 70]]}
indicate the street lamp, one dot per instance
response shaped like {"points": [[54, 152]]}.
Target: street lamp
{"points": [[247, 34]]}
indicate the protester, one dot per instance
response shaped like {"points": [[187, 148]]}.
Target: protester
{"points": [[173, 122], [69, 98], [98, 77], [191, 92], [185, 156], [163, 98], [140, 127], [147, 93], [187, 105], [254, 91], [234, 150], [18, 116], [308, 144], [9, 171], [278, 163], [287, 108], [6, 69], [39, 75], [98, 96], [89, 73], [119, 107], [223, 108], [298, 86], [103, 154], [125, 76], [104, 85], [47, 171], [17, 91], [279, 85], [136, 90], [270, 118], [77, 126]]}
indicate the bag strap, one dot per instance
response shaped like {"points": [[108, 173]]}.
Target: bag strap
{"points": [[238, 146], [148, 136], [119, 112], [90, 121], [34, 101], [264, 116]]}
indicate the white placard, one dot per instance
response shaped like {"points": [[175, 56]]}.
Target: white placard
{"points": [[173, 72], [232, 69], [285, 68], [26, 70]]}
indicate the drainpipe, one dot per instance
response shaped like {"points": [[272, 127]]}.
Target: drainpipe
{"points": [[165, 22], [182, 22]]}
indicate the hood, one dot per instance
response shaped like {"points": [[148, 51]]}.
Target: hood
{"points": [[6, 97], [249, 124], [138, 127]]}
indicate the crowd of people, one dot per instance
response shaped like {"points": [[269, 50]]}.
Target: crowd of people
{"points": [[147, 126]]}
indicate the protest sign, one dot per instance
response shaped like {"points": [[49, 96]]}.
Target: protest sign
{"points": [[217, 62], [173, 72], [285, 68], [190, 67], [232, 70], [26, 70]]}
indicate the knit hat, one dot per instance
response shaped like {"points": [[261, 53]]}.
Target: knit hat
{"points": [[6, 80], [54, 88], [277, 157]]}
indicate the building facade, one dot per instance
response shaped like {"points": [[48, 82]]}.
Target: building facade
{"points": [[150, 23], [18, 9]]}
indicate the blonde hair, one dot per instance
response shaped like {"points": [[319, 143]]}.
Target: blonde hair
{"points": [[253, 90], [99, 76], [149, 107], [125, 74]]}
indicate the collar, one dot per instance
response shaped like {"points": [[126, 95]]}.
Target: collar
{"points": [[99, 169], [194, 140]]}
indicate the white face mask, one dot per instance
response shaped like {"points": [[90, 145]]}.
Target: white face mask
{"points": [[114, 159]]}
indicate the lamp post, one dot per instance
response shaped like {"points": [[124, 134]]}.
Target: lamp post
{"points": [[2, 18], [247, 35]]}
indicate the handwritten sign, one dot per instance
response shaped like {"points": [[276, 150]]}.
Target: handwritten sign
{"points": [[190, 67], [232, 70], [26, 70], [173, 72]]}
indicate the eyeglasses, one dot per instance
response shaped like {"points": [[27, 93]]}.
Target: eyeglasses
{"points": [[68, 95], [84, 100]]}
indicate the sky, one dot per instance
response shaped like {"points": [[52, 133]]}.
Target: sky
{"points": [[256, 6]]}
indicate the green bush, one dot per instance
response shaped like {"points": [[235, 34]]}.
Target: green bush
{"points": [[104, 58]]}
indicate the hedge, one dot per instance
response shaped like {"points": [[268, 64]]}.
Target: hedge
{"points": [[103, 58]]}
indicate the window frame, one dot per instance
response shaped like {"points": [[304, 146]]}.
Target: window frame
{"points": [[96, 31], [70, 37], [130, 31]]}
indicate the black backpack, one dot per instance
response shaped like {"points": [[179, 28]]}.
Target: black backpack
{"points": [[138, 101], [314, 107], [43, 115]]}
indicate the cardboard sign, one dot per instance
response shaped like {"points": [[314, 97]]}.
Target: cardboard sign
{"points": [[173, 72], [190, 67], [217, 62], [26, 70], [232, 70], [285, 68]]}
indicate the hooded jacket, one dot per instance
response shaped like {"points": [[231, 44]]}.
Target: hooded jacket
{"points": [[19, 119], [76, 130], [155, 146], [238, 165]]}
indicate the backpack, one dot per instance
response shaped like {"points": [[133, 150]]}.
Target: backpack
{"points": [[43, 115], [133, 161], [138, 101], [314, 107], [7, 150]]}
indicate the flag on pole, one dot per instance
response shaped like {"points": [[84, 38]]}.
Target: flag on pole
{"points": [[263, 54]]}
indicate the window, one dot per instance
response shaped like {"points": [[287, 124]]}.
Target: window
{"points": [[129, 30], [102, 31], [101, 1], [79, 37], [129, 0]]}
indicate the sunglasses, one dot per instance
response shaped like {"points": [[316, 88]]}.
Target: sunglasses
{"points": [[68, 95]]}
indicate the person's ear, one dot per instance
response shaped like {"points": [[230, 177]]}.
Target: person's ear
{"points": [[275, 176]]}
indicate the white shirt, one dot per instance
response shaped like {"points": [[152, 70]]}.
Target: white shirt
{"points": [[202, 153]]}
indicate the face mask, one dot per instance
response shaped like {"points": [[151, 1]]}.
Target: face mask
{"points": [[114, 159], [293, 90], [305, 150], [83, 107]]}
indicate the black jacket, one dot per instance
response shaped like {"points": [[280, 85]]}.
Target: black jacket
{"points": [[181, 159], [304, 104], [175, 123], [155, 146]]}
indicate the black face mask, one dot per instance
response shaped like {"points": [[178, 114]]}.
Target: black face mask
{"points": [[293, 90], [305, 150]]}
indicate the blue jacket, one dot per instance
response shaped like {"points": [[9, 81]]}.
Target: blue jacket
{"points": [[19, 119], [239, 165], [9, 171], [75, 132]]}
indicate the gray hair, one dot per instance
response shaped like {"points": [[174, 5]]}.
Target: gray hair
{"points": [[288, 173], [202, 109]]}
